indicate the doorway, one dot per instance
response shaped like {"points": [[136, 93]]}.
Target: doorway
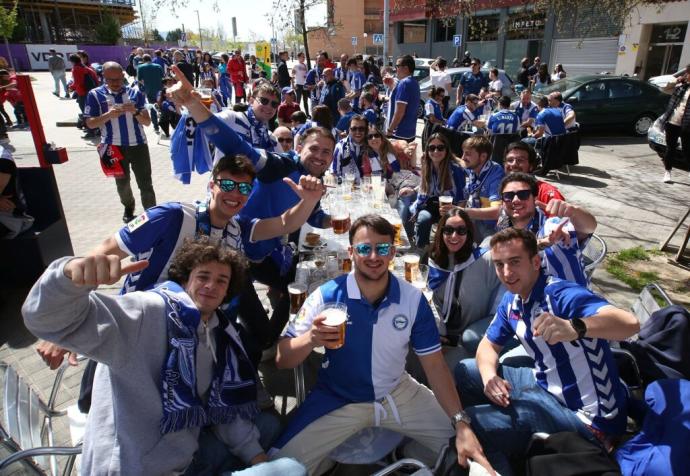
{"points": [[663, 59]]}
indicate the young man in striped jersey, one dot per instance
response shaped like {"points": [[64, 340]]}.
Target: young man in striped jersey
{"points": [[565, 328]]}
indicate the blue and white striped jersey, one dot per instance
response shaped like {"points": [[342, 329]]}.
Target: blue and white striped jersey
{"points": [[581, 374], [377, 339], [124, 130]]}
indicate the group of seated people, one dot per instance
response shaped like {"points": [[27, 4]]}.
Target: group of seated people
{"points": [[179, 395]]}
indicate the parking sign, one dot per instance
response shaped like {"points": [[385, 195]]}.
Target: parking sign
{"points": [[354, 41], [457, 39]]}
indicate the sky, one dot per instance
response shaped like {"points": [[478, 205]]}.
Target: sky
{"points": [[250, 16]]}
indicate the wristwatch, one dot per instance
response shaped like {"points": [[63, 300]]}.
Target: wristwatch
{"points": [[579, 326], [460, 417]]}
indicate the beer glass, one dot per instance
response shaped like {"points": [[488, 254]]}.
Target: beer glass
{"points": [[336, 316], [445, 200], [298, 294], [206, 96], [411, 261], [419, 276], [394, 219], [344, 261], [340, 220]]}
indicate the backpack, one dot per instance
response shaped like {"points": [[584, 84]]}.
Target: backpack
{"points": [[89, 82], [130, 66]]}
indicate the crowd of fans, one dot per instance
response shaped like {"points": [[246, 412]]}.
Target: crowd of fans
{"points": [[176, 389]]}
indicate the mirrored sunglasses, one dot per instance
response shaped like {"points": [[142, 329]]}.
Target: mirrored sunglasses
{"points": [[228, 185], [364, 249]]}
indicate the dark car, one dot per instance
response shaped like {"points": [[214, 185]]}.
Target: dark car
{"points": [[602, 101]]}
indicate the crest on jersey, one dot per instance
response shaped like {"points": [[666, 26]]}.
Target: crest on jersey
{"points": [[400, 322]]}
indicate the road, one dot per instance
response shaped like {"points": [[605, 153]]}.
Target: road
{"points": [[618, 180]]}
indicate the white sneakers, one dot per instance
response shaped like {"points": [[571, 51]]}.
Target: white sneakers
{"points": [[667, 176]]}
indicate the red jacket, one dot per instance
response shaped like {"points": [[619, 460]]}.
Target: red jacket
{"points": [[79, 72], [237, 70]]}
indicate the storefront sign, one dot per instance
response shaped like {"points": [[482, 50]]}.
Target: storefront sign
{"points": [[40, 54], [674, 33], [525, 25]]}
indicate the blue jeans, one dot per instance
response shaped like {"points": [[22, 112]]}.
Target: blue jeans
{"points": [[282, 466], [60, 78], [422, 228], [506, 432], [403, 207], [214, 457]]}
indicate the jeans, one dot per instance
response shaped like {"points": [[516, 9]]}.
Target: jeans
{"points": [[302, 95], [403, 207], [281, 466], [422, 228], [673, 133], [214, 457], [267, 272], [506, 432], [138, 157], [60, 77]]}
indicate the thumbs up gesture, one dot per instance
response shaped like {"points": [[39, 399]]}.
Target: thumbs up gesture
{"points": [[100, 269]]}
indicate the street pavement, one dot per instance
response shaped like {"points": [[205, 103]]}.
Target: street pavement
{"points": [[618, 179]]}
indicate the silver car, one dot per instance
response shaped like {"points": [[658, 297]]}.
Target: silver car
{"points": [[455, 75]]}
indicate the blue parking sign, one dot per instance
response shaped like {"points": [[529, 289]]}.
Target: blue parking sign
{"points": [[457, 39], [354, 41]]}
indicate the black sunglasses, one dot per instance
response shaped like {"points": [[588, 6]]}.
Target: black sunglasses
{"points": [[266, 102], [358, 129], [521, 194], [228, 185], [285, 139], [449, 230], [374, 136], [434, 148]]}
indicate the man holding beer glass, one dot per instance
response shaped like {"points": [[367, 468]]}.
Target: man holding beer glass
{"points": [[366, 320]]}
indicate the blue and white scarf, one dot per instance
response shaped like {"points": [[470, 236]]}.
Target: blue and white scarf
{"points": [[475, 183], [261, 138], [438, 276], [233, 388], [189, 150]]}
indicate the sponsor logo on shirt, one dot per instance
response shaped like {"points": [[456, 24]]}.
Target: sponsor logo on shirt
{"points": [[137, 222]]}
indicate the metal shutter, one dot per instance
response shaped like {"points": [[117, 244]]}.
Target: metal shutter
{"points": [[590, 56]]}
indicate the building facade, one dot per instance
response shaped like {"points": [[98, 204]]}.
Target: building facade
{"points": [[348, 19], [583, 40], [655, 40], [67, 21]]}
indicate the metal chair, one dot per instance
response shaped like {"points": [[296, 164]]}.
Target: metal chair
{"points": [[593, 254], [26, 429]]}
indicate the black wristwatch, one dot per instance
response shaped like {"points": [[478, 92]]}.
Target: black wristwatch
{"points": [[460, 417], [579, 326]]}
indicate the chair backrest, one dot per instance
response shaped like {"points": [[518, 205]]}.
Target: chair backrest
{"points": [[500, 142], [646, 303], [37, 185], [593, 254], [23, 413]]}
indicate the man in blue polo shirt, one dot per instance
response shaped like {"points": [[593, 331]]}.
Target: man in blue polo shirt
{"points": [[556, 100], [503, 121], [574, 384], [471, 82], [466, 115], [363, 383], [404, 101], [549, 121], [120, 112]]}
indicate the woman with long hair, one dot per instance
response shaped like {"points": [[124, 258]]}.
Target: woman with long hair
{"points": [[542, 78], [379, 156], [465, 287], [558, 73], [441, 175]]}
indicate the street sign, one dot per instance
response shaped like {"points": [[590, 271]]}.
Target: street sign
{"points": [[457, 39], [183, 36], [354, 41], [378, 38], [274, 41]]}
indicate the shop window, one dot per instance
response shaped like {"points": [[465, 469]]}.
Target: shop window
{"points": [[445, 29], [412, 32], [483, 28]]}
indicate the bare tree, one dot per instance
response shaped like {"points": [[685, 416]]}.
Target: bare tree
{"points": [[291, 14]]}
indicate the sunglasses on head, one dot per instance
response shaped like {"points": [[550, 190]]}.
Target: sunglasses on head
{"points": [[449, 230], [436, 148], [265, 102], [358, 129], [228, 185], [521, 194], [374, 136], [364, 249]]}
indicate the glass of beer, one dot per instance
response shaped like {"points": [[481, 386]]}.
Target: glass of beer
{"points": [[445, 200], [206, 96], [395, 220], [411, 261], [336, 316], [344, 261], [298, 294], [419, 277], [340, 220]]}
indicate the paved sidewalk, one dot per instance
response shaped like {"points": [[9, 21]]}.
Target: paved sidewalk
{"points": [[619, 180]]}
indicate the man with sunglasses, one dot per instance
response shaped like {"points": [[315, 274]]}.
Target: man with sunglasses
{"points": [[252, 125], [471, 82], [285, 139], [561, 238], [573, 385], [347, 156], [364, 383], [120, 112]]}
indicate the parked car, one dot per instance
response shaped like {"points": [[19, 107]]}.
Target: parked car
{"points": [[606, 101], [421, 73], [662, 81], [455, 75], [656, 138]]}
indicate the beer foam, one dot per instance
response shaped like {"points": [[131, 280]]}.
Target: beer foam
{"points": [[411, 259], [334, 316]]}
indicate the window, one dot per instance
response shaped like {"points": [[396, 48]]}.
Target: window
{"points": [[623, 89], [445, 29], [412, 32], [594, 91], [483, 28]]}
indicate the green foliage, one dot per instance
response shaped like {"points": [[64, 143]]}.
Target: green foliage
{"points": [[108, 31], [174, 35], [155, 35], [8, 20], [619, 267], [20, 31], [633, 254]]}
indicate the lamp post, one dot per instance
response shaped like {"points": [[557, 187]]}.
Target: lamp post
{"points": [[201, 38], [365, 41]]}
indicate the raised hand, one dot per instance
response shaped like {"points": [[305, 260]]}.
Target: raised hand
{"points": [[100, 269], [309, 188], [559, 234], [182, 91], [556, 208]]}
